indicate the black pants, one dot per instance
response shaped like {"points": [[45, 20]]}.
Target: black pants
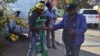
{"points": [[72, 50]]}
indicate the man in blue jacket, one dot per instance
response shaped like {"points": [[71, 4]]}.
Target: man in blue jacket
{"points": [[74, 26]]}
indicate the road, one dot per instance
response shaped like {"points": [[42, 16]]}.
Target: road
{"points": [[92, 37], [92, 41]]}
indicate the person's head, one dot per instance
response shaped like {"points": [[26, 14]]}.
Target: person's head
{"points": [[49, 5], [72, 9], [40, 7]]}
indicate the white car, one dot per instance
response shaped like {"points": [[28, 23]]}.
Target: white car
{"points": [[92, 16]]}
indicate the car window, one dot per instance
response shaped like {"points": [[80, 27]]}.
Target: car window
{"points": [[90, 12]]}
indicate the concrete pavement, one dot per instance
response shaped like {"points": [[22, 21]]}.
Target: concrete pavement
{"points": [[21, 48], [91, 46]]}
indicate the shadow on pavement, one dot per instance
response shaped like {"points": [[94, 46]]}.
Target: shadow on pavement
{"points": [[22, 50], [16, 49], [86, 53]]}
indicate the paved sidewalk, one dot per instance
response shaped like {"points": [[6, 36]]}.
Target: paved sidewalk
{"points": [[20, 49]]}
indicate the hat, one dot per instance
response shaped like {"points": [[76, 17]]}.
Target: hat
{"points": [[42, 2], [40, 5], [71, 6]]}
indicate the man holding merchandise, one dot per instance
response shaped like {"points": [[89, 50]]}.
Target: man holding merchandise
{"points": [[74, 26]]}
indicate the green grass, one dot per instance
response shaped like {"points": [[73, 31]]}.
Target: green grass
{"points": [[61, 11]]}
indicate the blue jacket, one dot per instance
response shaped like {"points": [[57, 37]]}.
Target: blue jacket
{"points": [[80, 28]]}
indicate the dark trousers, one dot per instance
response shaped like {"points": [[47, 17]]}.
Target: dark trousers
{"points": [[72, 50], [52, 37]]}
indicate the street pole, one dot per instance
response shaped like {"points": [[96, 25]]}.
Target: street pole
{"points": [[64, 5]]}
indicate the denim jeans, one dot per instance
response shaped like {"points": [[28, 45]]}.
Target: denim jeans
{"points": [[33, 39]]}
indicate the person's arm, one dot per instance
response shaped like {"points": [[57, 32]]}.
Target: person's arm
{"points": [[83, 26], [32, 20], [48, 14], [32, 23], [59, 25]]}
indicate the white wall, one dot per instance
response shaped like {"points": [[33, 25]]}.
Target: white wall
{"points": [[24, 6]]}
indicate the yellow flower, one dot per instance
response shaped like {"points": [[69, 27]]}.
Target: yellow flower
{"points": [[14, 37]]}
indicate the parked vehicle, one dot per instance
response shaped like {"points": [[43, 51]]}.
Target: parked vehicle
{"points": [[92, 17]]}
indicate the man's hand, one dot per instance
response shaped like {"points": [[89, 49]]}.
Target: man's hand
{"points": [[71, 31], [42, 28], [34, 28], [46, 28], [50, 27]]}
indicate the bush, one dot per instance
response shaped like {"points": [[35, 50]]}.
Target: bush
{"points": [[61, 12], [1, 13]]}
